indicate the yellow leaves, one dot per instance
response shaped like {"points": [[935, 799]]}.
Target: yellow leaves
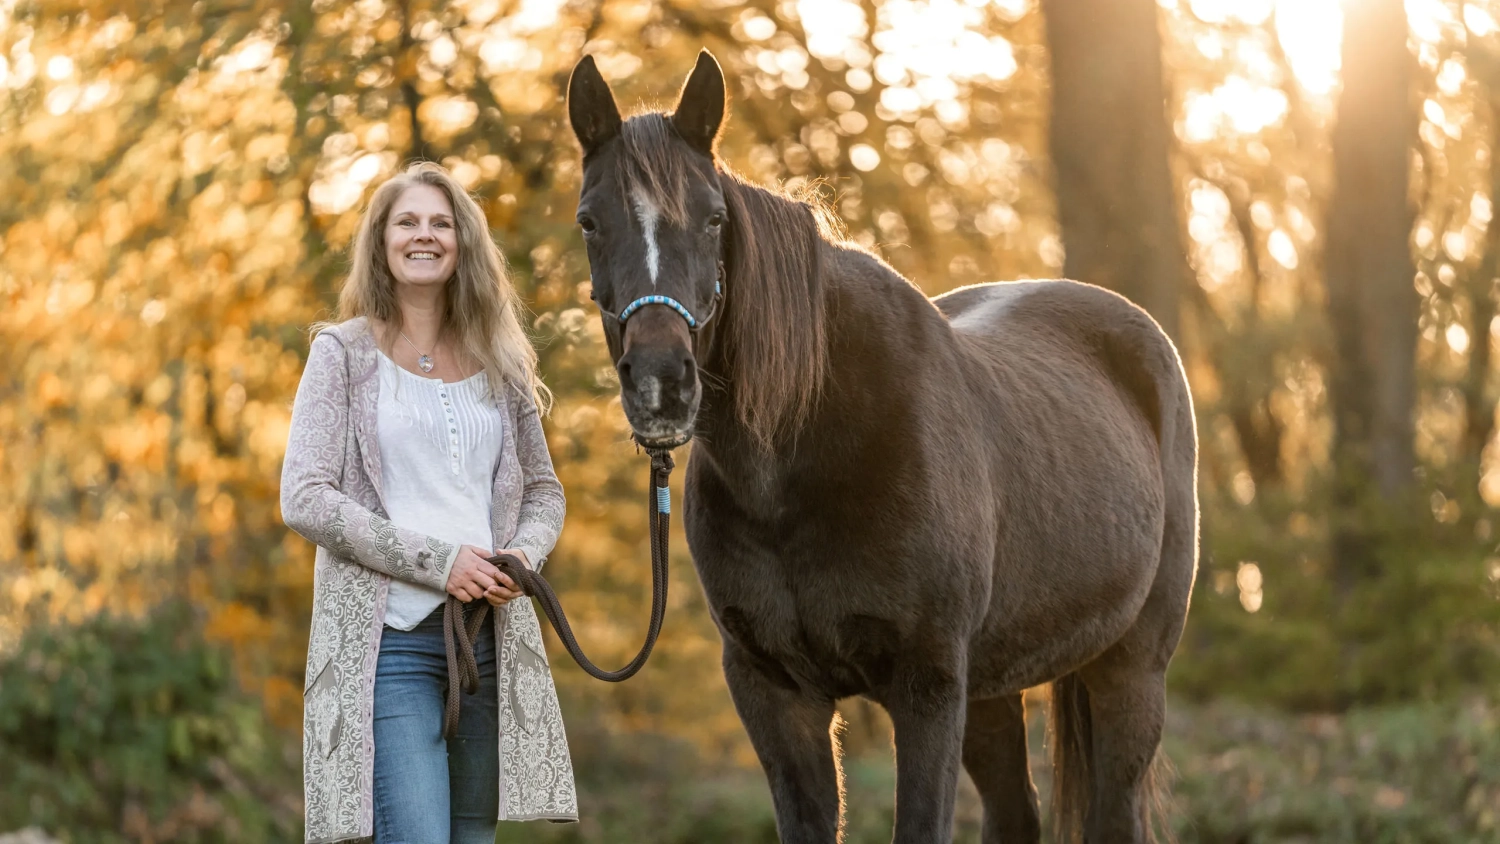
{"points": [[65, 297], [446, 116], [141, 440], [265, 147], [285, 221], [60, 222], [78, 545], [202, 150], [388, 30], [269, 427], [283, 702], [159, 390], [233, 226], [236, 624], [218, 517], [51, 392], [26, 251]]}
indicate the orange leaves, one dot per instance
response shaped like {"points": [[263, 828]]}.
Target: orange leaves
{"points": [[50, 391], [268, 427], [139, 441], [236, 623]]}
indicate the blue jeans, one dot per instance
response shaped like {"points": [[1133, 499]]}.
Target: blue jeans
{"points": [[427, 790]]}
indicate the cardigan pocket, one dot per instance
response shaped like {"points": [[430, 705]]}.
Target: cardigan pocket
{"points": [[528, 686], [320, 706]]}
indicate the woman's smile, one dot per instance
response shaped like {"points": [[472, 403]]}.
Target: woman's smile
{"points": [[421, 238]]}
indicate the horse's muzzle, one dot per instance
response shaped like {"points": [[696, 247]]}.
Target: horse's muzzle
{"points": [[660, 391]]}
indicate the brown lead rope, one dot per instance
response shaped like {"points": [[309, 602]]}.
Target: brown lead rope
{"points": [[463, 626], [459, 630]]}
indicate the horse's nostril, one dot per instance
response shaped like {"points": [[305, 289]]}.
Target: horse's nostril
{"points": [[689, 372], [625, 380]]}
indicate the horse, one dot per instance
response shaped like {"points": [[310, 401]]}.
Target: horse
{"points": [[932, 503]]}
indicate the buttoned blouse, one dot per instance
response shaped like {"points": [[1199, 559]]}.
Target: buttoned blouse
{"points": [[439, 445]]}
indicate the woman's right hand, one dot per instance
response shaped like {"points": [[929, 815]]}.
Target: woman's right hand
{"points": [[472, 575]]}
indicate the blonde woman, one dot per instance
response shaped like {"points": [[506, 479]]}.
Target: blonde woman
{"points": [[415, 452]]}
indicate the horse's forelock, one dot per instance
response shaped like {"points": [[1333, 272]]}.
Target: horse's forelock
{"points": [[654, 164]]}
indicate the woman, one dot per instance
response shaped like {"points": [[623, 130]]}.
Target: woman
{"points": [[415, 452]]}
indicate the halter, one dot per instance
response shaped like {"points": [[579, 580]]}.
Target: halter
{"points": [[693, 323]]}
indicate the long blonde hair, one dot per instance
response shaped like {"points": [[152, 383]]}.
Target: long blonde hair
{"points": [[481, 308]]}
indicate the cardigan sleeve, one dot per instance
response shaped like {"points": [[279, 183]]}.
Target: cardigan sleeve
{"points": [[542, 504], [312, 501]]}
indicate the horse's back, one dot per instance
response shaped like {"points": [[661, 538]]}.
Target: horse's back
{"points": [[1002, 321]]}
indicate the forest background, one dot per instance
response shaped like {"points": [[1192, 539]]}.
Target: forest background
{"points": [[1301, 191]]}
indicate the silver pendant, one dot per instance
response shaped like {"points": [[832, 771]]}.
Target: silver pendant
{"points": [[425, 362]]}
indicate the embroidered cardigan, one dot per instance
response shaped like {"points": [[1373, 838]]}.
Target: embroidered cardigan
{"points": [[331, 495]]}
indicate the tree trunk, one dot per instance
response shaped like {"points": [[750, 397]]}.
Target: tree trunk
{"points": [[1478, 400], [1109, 142], [1372, 305]]}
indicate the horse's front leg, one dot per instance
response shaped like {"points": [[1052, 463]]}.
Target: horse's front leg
{"points": [[926, 700], [789, 731]]}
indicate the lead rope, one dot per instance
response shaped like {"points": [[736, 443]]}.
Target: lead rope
{"points": [[461, 628]]}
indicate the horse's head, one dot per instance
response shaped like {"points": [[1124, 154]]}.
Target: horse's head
{"points": [[653, 218]]}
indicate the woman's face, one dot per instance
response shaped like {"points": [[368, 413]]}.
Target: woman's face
{"points": [[421, 238]]}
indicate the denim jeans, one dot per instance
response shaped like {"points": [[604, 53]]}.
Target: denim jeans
{"points": [[428, 790]]}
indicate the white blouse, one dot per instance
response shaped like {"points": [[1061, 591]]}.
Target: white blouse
{"points": [[439, 448]]}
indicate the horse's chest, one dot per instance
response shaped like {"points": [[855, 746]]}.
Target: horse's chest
{"points": [[793, 615]]}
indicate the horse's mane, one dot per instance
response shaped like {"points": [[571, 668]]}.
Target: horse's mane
{"points": [[775, 325]]}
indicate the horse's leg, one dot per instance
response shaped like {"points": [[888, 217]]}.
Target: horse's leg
{"points": [[926, 701], [1127, 694], [1127, 687], [790, 734], [1126, 708], [995, 756]]}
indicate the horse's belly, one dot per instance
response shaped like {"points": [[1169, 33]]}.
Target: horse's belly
{"points": [[1061, 601]]}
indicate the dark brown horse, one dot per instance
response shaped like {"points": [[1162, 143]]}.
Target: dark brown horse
{"points": [[932, 503]]}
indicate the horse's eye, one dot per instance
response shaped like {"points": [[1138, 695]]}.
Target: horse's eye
{"points": [[587, 224], [716, 219]]}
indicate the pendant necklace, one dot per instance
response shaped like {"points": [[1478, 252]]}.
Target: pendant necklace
{"points": [[423, 360]]}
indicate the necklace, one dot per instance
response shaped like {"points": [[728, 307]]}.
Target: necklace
{"points": [[423, 360]]}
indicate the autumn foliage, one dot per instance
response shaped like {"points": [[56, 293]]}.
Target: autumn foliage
{"points": [[181, 181]]}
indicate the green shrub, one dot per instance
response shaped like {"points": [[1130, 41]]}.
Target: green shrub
{"points": [[1426, 774], [123, 729], [1423, 624]]}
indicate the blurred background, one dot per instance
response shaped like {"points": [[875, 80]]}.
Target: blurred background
{"points": [[1301, 191]]}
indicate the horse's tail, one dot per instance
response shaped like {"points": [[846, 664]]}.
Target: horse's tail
{"points": [[1072, 740], [1072, 743]]}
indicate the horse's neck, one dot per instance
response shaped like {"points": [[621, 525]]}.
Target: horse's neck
{"points": [[885, 342]]}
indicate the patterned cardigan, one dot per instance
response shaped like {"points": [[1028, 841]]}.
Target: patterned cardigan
{"points": [[331, 494]]}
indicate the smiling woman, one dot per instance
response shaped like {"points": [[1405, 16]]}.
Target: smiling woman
{"points": [[415, 453]]}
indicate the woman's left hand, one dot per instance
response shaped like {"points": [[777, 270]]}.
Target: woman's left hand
{"points": [[506, 590]]}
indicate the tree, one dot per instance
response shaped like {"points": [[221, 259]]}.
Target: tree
{"points": [[1109, 142], [1372, 306]]}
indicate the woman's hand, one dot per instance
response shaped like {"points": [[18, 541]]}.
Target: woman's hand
{"points": [[505, 590], [472, 575]]}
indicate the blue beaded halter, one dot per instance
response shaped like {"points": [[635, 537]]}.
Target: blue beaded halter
{"points": [[655, 299]]}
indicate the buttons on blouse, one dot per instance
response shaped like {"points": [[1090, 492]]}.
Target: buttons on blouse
{"points": [[452, 427]]}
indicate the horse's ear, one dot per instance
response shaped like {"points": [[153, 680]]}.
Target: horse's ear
{"points": [[591, 106], [700, 109]]}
